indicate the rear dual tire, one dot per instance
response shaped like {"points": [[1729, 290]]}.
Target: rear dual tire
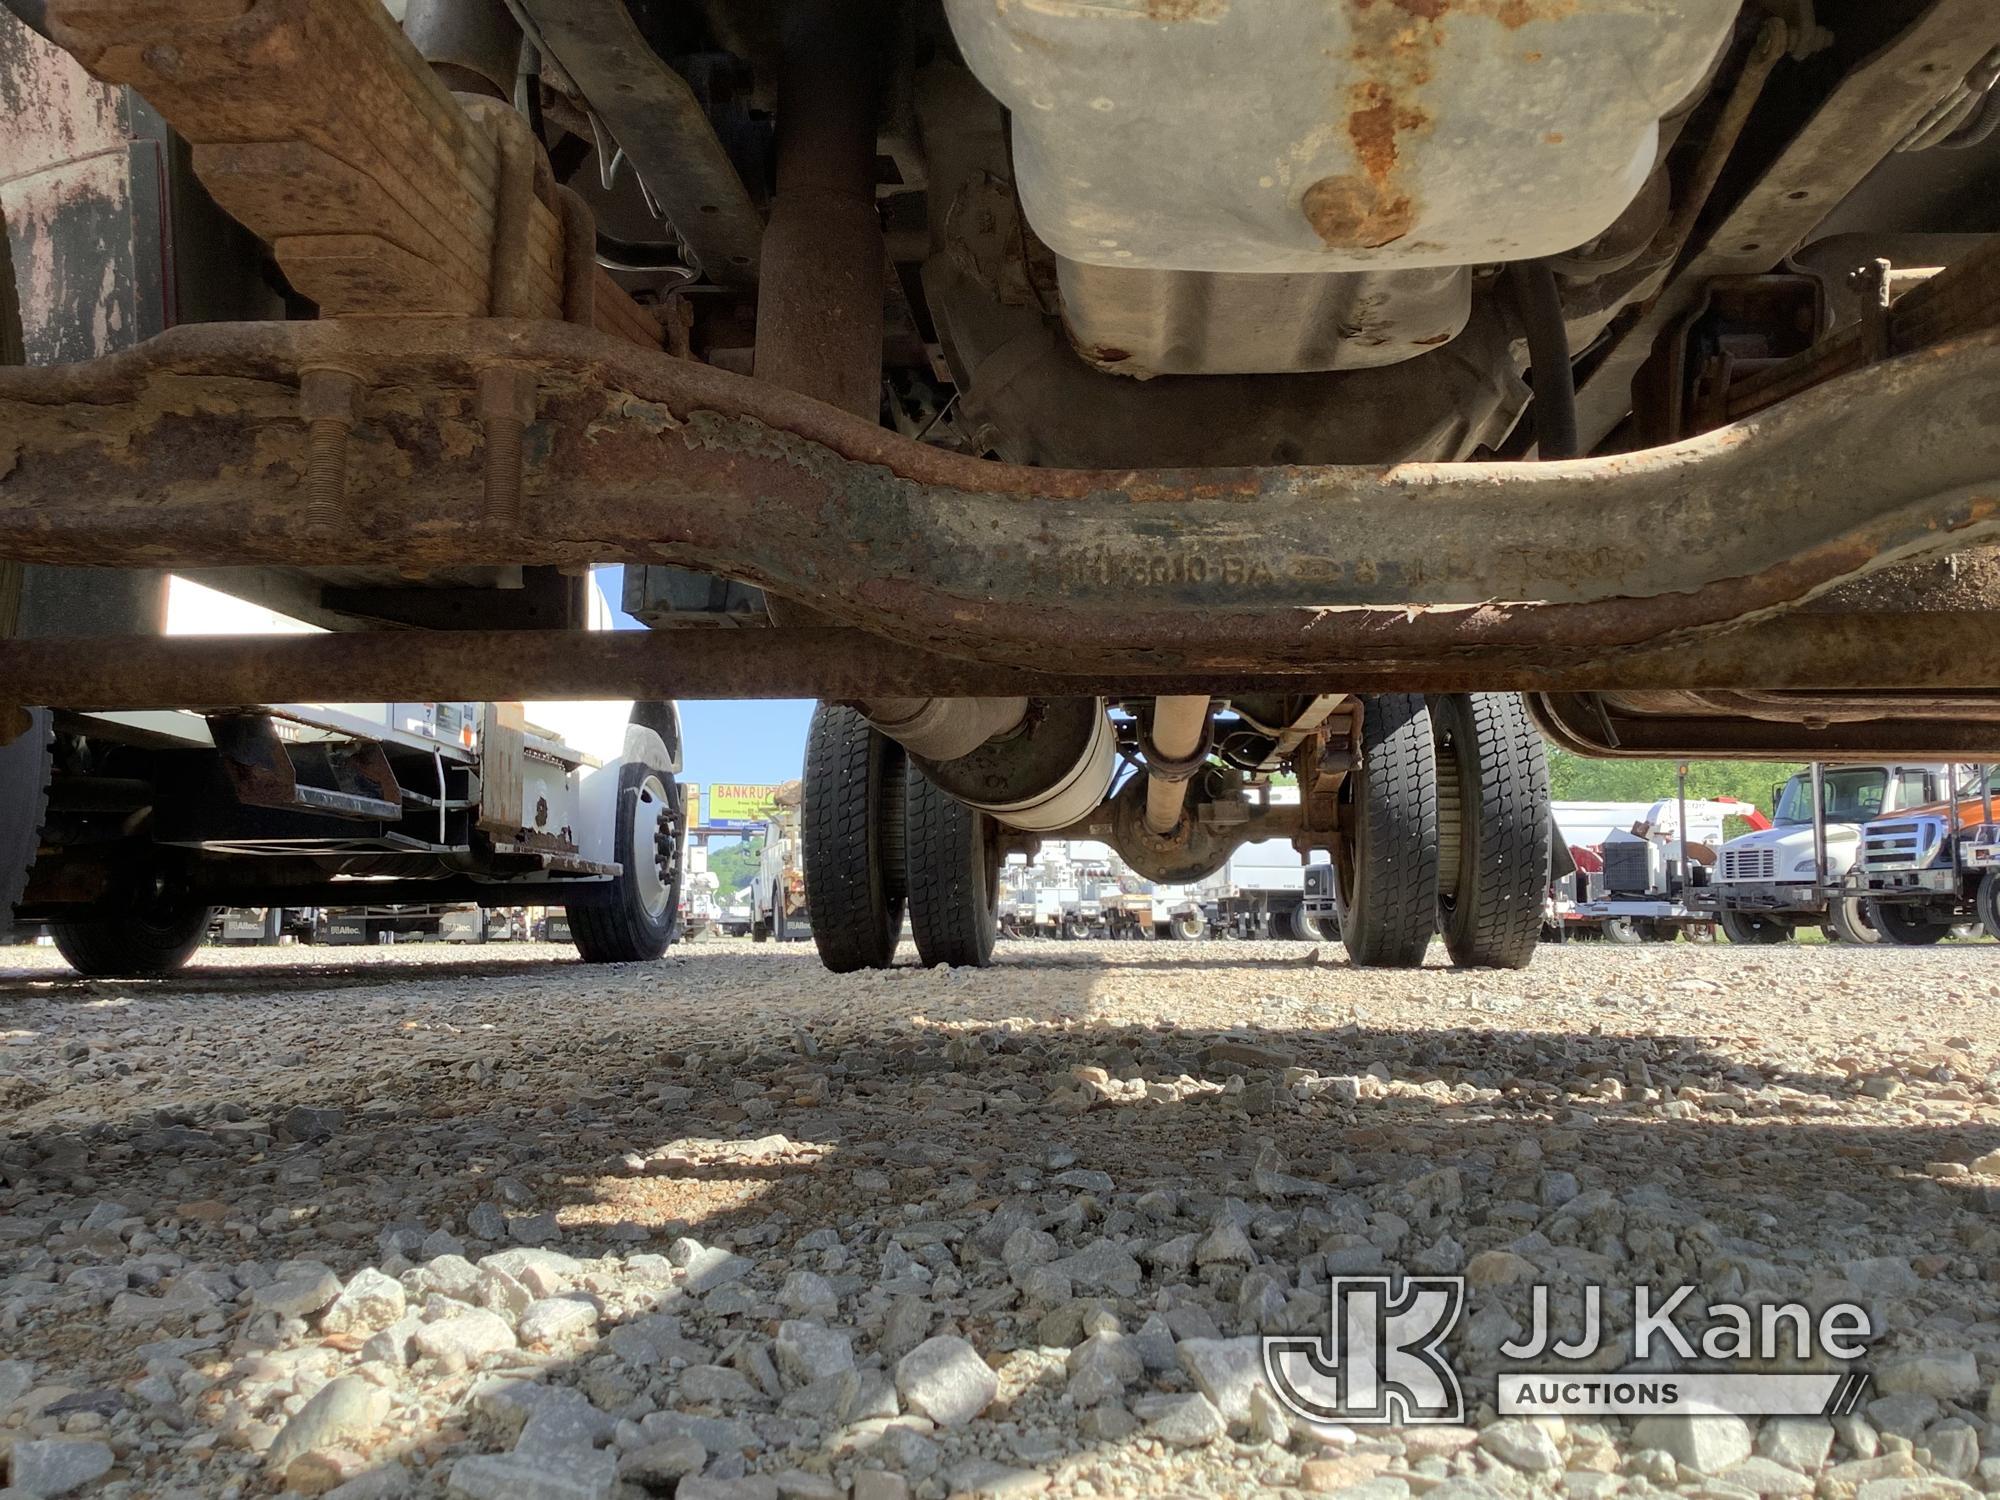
{"points": [[1447, 831], [880, 839], [854, 803], [1386, 872], [1491, 900], [1904, 925], [952, 873]]}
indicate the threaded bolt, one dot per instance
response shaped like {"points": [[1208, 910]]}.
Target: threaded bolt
{"points": [[326, 401], [506, 406]]}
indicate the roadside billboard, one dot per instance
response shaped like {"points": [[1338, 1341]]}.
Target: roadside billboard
{"points": [[734, 805]]}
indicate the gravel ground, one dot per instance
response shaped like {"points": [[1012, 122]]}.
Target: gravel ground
{"points": [[498, 1226]]}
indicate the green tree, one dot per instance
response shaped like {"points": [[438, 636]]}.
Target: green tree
{"points": [[733, 864], [1577, 778]]}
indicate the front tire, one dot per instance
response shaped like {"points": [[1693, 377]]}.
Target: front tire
{"points": [[1755, 928], [642, 918], [1907, 926], [1493, 829], [1386, 878], [953, 892], [144, 942], [1988, 903], [854, 817]]}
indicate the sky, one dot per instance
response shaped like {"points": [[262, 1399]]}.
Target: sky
{"points": [[751, 740]]}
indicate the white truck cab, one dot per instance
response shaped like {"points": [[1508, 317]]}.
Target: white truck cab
{"points": [[1766, 883]]}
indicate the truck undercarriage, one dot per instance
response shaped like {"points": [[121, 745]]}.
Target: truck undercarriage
{"points": [[1076, 391]]}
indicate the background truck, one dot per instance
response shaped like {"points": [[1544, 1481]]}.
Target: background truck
{"points": [[1260, 891], [778, 891], [1061, 891], [146, 821], [1772, 881], [701, 910], [1651, 871], [1924, 870], [1079, 888]]}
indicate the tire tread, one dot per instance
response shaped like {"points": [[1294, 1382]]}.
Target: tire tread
{"points": [[1395, 837], [951, 913], [850, 768], [1504, 845], [130, 948]]}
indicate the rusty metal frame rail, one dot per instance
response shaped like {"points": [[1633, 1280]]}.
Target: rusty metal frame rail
{"points": [[190, 451], [1955, 654]]}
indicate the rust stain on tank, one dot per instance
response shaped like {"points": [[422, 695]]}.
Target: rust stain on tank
{"points": [[1186, 10], [1367, 210], [1396, 49], [1512, 14], [1352, 213]]}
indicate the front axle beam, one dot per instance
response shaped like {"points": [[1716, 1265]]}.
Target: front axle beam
{"points": [[192, 451]]}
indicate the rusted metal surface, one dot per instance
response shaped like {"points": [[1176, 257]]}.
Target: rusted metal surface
{"points": [[1857, 125], [1856, 653], [189, 452], [74, 177], [1920, 725], [349, 778], [1961, 298], [655, 117], [819, 310]]}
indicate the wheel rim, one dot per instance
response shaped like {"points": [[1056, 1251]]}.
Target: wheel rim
{"points": [[653, 833], [1854, 922]]}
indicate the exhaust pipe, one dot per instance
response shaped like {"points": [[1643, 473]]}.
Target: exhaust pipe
{"points": [[943, 728], [1038, 765]]}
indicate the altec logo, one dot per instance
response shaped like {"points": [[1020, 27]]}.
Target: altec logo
{"points": [[1383, 1357]]}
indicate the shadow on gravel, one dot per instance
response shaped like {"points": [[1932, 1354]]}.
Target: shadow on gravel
{"points": [[911, 1136], [272, 978]]}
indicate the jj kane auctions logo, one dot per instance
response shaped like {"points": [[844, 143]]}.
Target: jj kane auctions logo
{"points": [[1383, 1360]]}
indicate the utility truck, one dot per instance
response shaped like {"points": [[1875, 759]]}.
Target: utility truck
{"points": [[146, 821], [1924, 870], [1794, 873], [778, 906], [1068, 888]]}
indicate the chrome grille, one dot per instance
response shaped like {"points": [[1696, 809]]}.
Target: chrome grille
{"points": [[1901, 845], [1749, 864]]}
